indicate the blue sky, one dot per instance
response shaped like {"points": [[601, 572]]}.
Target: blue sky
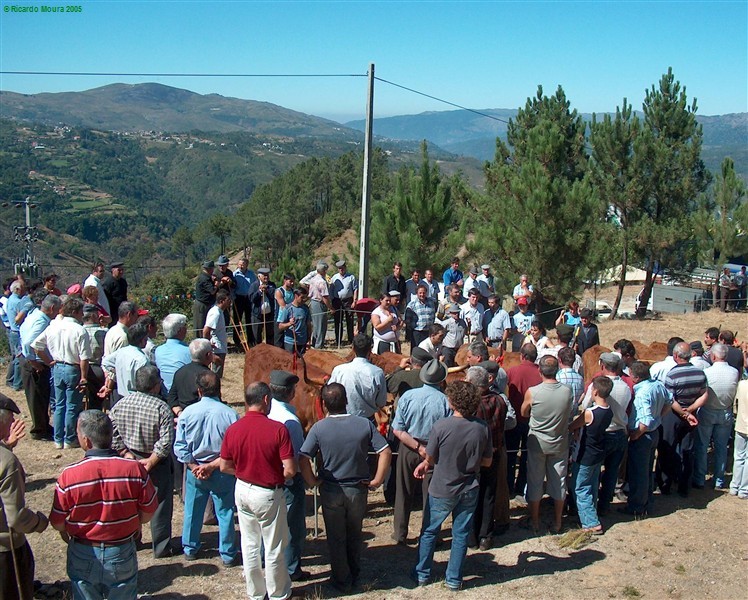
{"points": [[485, 54]]}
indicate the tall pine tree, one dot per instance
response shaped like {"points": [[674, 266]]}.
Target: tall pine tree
{"points": [[676, 179], [540, 215]]}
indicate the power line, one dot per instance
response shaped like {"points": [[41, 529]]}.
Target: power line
{"points": [[106, 74], [424, 94]]}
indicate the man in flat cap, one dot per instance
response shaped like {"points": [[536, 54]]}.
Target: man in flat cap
{"points": [[283, 388], [262, 306], [344, 291], [319, 292], [206, 287], [115, 286], [417, 411], [487, 278], [16, 559], [456, 328]]}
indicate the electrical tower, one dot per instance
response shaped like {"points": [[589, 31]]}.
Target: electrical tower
{"points": [[26, 235]]}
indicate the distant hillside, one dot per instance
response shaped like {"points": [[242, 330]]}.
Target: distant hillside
{"points": [[470, 134], [152, 106]]}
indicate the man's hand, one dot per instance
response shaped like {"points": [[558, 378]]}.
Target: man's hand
{"points": [[405, 363], [691, 419], [16, 434], [374, 484], [103, 392], [421, 470]]}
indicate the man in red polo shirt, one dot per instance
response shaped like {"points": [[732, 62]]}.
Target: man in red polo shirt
{"points": [[520, 379], [99, 506], [259, 453]]}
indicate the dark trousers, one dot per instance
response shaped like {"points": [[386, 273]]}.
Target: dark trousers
{"points": [[615, 446], [36, 387], [449, 355], [501, 506], [242, 318], [95, 381], [675, 457], [516, 441], [162, 476], [264, 326], [199, 314], [484, 511], [296, 514], [419, 335], [405, 490], [24, 564], [343, 311], [343, 509]]}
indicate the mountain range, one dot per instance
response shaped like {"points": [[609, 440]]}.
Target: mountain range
{"points": [[474, 133]]}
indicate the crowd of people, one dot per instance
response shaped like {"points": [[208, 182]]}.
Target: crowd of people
{"points": [[466, 440]]}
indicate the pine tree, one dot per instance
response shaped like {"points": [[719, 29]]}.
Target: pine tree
{"points": [[616, 172], [540, 215], [723, 218], [676, 178], [417, 224]]}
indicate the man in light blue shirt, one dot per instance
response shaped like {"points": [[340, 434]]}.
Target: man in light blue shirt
{"points": [[496, 323], [283, 387], [200, 432], [34, 373], [243, 277], [651, 401], [120, 366], [364, 383], [174, 353], [417, 411], [17, 307]]}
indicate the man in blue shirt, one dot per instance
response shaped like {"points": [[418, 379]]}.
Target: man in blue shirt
{"points": [[34, 373], [17, 307], [453, 275], [651, 401], [244, 277], [420, 315], [174, 353], [200, 432], [295, 321], [417, 411]]}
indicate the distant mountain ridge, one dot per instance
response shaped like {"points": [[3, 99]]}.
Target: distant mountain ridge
{"points": [[470, 134], [153, 106]]}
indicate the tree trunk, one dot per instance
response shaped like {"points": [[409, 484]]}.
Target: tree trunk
{"points": [[647, 292], [621, 280]]}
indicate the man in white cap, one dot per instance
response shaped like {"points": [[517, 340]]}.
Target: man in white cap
{"points": [[487, 278]]}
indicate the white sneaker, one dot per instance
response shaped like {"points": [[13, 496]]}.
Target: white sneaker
{"points": [[58, 445]]}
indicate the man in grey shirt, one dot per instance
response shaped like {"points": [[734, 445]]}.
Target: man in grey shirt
{"points": [[549, 407], [715, 418]]}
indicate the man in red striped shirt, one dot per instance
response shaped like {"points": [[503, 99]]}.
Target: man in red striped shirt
{"points": [[100, 504]]}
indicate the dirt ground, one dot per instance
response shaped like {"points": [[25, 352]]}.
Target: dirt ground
{"points": [[690, 548]]}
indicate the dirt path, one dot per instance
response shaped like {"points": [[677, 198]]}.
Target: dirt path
{"points": [[689, 548]]}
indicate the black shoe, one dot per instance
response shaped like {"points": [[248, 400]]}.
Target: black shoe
{"points": [[501, 529], [625, 510], [234, 562], [300, 575], [697, 486], [486, 543]]}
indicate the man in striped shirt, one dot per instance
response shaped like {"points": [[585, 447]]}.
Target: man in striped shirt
{"points": [[144, 430], [99, 506]]}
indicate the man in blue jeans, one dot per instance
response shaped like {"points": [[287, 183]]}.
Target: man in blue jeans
{"points": [[457, 449], [200, 432], [652, 400], [343, 441], [715, 419]]}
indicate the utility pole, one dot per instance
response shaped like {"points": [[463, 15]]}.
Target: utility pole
{"points": [[27, 235], [363, 261]]}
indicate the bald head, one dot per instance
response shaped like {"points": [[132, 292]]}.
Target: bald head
{"points": [[682, 352]]}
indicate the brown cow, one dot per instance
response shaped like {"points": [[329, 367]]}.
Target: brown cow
{"points": [[263, 358], [461, 356], [655, 352], [591, 362]]}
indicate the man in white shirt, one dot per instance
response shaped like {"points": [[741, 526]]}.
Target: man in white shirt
{"points": [[472, 313], [364, 383], [94, 279], [659, 370], [67, 349], [121, 366], [215, 330], [116, 337]]}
